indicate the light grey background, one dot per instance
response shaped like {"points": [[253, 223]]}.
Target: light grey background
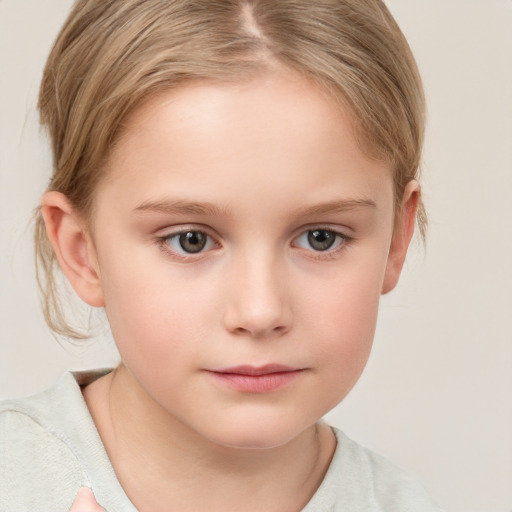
{"points": [[437, 394]]}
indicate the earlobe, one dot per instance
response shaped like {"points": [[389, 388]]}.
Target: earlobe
{"points": [[73, 247], [404, 229]]}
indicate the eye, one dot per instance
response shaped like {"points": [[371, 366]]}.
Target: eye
{"points": [[320, 240], [189, 242]]}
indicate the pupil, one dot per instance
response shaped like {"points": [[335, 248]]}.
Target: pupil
{"points": [[193, 241], [321, 240]]}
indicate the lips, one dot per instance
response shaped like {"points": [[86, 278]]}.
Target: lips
{"points": [[256, 379]]}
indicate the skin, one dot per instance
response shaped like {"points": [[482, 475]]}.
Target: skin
{"points": [[257, 167], [85, 502]]}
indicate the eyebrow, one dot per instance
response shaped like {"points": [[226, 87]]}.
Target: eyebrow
{"points": [[177, 207], [170, 207], [337, 206]]}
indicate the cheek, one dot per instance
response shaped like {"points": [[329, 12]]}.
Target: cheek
{"points": [[154, 310], [346, 299], [342, 318], [347, 326]]}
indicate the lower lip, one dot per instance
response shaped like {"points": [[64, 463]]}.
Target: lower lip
{"points": [[257, 383]]}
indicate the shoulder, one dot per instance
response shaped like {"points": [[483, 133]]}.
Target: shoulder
{"points": [[359, 479], [40, 459]]}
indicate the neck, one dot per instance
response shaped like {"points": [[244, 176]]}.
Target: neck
{"points": [[164, 465]]}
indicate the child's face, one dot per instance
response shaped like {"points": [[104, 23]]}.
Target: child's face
{"points": [[242, 226]]}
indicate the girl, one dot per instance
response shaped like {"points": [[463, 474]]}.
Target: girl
{"points": [[235, 184]]}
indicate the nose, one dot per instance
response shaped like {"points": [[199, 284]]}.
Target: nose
{"points": [[258, 304]]}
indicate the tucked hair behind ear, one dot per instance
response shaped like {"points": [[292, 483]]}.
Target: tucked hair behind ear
{"points": [[111, 54]]}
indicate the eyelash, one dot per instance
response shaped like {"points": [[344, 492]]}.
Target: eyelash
{"points": [[341, 240], [164, 244], [340, 243]]}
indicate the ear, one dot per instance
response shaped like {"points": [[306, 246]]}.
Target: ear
{"points": [[73, 247], [404, 229]]}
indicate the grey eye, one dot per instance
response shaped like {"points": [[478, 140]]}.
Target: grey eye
{"points": [[321, 239], [189, 242], [193, 241]]}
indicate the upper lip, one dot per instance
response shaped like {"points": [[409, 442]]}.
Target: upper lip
{"points": [[256, 370]]}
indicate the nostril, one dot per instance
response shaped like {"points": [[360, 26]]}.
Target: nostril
{"points": [[256, 332]]}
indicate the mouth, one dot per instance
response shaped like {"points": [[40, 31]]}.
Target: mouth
{"points": [[256, 379]]}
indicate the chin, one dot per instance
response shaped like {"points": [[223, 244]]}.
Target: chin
{"points": [[257, 436]]}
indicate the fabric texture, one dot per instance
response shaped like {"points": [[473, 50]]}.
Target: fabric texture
{"points": [[50, 448]]}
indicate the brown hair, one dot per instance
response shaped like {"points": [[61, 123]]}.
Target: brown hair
{"points": [[110, 54]]}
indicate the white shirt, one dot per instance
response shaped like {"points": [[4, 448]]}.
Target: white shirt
{"points": [[50, 448]]}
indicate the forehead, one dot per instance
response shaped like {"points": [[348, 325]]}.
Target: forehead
{"points": [[204, 104], [277, 132]]}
